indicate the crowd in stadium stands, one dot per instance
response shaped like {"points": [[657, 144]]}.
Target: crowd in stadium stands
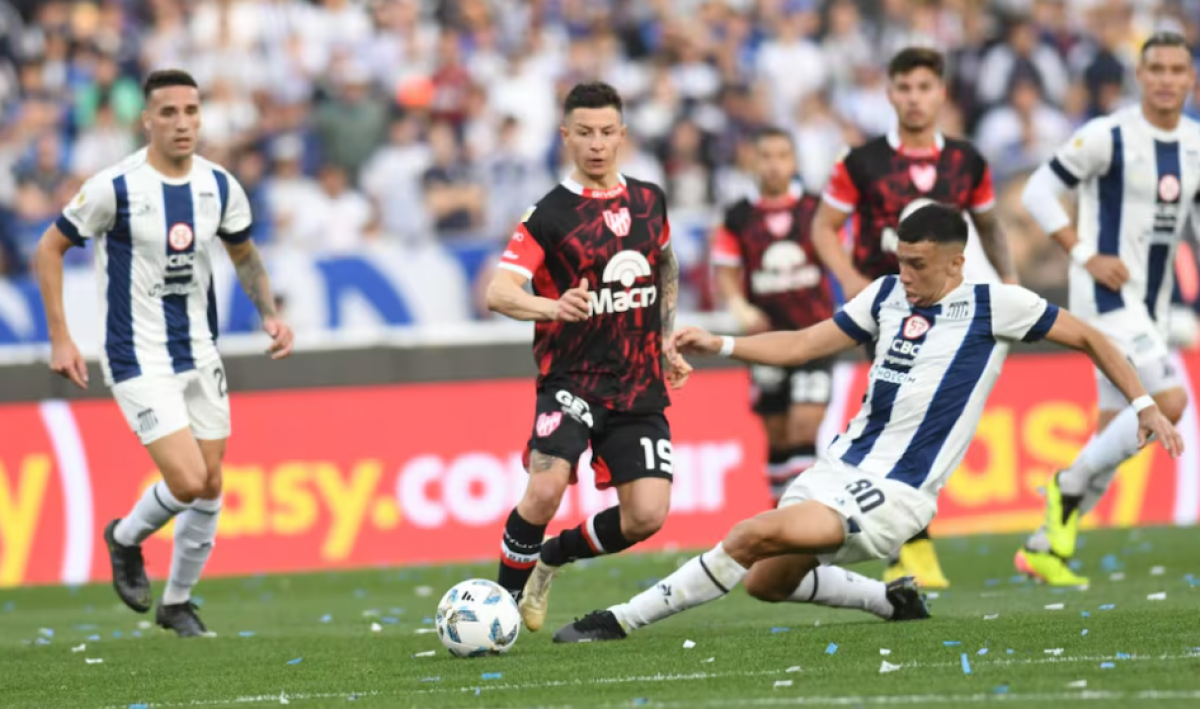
{"points": [[355, 121]]}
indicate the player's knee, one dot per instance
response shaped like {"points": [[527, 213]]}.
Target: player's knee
{"points": [[187, 488], [1172, 403], [213, 484], [747, 540], [641, 523], [542, 497]]}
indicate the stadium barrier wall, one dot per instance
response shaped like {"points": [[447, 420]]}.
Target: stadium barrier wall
{"points": [[414, 473]]}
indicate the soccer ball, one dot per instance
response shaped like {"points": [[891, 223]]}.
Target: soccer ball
{"points": [[477, 617]]}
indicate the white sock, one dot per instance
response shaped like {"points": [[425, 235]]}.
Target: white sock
{"points": [[151, 513], [1096, 489], [1038, 542], [1111, 447], [195, 531], [838, 588], [702, 579]]}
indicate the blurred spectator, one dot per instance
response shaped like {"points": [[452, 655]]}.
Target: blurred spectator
{"points": [[352, 123], [337, 218], [1023, 56], [106, 143], [392, 179], [454, 199], [1023, 133]]}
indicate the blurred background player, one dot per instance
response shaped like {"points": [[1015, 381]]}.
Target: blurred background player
{"points": [[597, 250], [155, 217], [875, 182], [769, 276], [1138, 176], [878, 483]]}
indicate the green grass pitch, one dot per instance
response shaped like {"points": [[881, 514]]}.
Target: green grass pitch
{"points": [[1020, 650]]}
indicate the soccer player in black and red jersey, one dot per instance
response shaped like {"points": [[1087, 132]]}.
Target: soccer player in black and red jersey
{"points": [[769, 276], [875, 182], [597, 249]]}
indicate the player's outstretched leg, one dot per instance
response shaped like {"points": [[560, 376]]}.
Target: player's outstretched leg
{"points": [[789, 578], [526, 527], [641, 510], [802, 528]]}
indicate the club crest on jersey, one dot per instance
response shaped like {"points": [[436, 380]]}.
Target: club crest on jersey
{"points": [[618, 221], [548, 422], [778, 223], [915, 326], [180, 236], [1169, 188], [923, 176]]}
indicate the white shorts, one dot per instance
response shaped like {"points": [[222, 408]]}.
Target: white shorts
{"points": [[156, 406], [1141, 340], [879, 514]]}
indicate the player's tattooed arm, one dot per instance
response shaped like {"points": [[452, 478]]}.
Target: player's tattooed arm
{"points": [[995, 245], [670, 288], [252, 273]]}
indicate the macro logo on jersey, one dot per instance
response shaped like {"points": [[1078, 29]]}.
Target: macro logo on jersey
{"points": [[784, 268], [618, 221], [626, 268]]}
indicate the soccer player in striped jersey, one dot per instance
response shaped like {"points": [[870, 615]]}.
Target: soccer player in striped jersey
{"points": [[1137, 173], [154, 218], [942, 343]]}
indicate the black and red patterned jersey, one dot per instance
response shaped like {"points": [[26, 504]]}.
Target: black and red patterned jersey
{"points": [[878, 179], [769, 239], [613, 238]]}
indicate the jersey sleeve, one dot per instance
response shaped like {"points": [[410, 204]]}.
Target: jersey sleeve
{"points": [[235, 217], [983, 194], [841, 192], [1020, 314], [523, 255], [664, 240], [1086, 155], [859, 318], [726, 250], [91, 213]]}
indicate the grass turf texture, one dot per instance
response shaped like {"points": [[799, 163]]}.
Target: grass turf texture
{"points": [[345, 664]]}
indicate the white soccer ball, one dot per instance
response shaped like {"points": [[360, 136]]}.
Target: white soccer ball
{"points": [[478, 617]]}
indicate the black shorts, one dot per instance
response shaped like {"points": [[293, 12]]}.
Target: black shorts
{"points": [[625, 446], [773, 390]]}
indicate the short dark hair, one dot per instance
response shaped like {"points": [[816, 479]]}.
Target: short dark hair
{"points": [[594, 94], [1165, 39], [934, 222], [912, 58], [163, 78], [773, 132]]}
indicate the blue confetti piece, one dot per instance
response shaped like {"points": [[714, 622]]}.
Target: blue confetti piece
{"points": [[780, 630], [1009, 651], [247, 634], [1016, 579], [43, 641], [431, 679], [966, 664], [639, 701], [951, 643], [360, 593], [477, 691], [94, 638], [10, 607], [1108, 607], [1085, 614], [491, 675], [326, 618], [1075, 564], [396, 611], [647, 583], [1000, 689], [390, 620], [198, 601], [136, 633], [85, 627], [1124, 656], [116, 633], [1107, 665], [831, 649], [427, 621], [139, 706], [1084, 632], [1110, 563], [267, 596], [992, 582], [1146, 547], [982, 651], [984, 549], [296, 661]]}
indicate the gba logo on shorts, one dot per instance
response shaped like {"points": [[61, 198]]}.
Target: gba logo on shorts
{"points": [[625, 268], [574, 407]]}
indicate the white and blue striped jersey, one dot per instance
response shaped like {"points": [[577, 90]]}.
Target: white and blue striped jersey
{"points": [[153, 264], [934, 368], [1137, 186]]}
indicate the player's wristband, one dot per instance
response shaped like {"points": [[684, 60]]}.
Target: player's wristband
{"points": [[726, 346], [1081, 253], [1142, 402]]}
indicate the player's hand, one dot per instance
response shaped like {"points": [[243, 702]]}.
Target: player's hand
{"points": [[66, 362], [854, 285], [1011, 281], [693, 340], [1108, 271], [281, 338], [575, 305], [677, 367], [1152, 423], [750, 318]]}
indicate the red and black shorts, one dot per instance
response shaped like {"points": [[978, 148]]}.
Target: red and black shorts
{"points": [[626, 446], [774, 390]]}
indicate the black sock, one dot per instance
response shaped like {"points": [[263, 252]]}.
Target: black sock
{"points": [[1070, 503], [519, 552], [923, 534], [600, 535], [778, 472]]}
